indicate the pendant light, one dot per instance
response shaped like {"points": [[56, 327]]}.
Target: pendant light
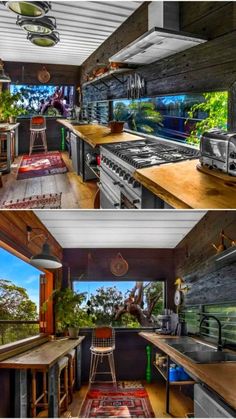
{"points": [[49, 40], [45, 259], [43, 26], [34, 9], [4, 78]]}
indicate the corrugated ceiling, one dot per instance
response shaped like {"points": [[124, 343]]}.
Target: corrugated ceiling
{"points": [[83, 26]]}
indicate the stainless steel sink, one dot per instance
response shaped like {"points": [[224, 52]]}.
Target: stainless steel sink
{"points": [[210, 357], [191, 347]]}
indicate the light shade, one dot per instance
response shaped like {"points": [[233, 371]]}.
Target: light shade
{"points": [[43, 26], [45, 259], [28, 8], [4, 78], [40, 40]]}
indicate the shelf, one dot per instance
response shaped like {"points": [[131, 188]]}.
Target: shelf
{"points": [[111, 73], [172, 383]]}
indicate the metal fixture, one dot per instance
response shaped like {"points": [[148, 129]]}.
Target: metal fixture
{"points": [[44, 25], [44, 259], [210, 316], [49, 40], [33, 9], [4, 78], [156, 44]]}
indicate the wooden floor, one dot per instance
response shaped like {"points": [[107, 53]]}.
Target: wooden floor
{"points": [[75, 193], [180, 404]]}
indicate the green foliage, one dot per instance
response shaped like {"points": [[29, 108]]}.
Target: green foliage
{"points": [[9, 105], [155, 288], [103, 304], [141, 116], [68, 310], [15, 304], [215, 106]]}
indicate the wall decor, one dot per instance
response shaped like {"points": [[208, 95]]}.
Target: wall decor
{"points": [[43, 75]]}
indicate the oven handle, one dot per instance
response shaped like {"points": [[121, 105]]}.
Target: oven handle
{"points": [[109, 197]]}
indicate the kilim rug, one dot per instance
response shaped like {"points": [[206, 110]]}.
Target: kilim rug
{"points": [[123, 401], [41, 164], [52, 201]]}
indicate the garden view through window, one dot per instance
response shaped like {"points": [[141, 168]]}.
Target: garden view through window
{"points": [[180, 117], [128, 304], [19, 298]]}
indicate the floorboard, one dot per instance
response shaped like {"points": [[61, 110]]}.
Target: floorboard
{"points": [[75, 193]]}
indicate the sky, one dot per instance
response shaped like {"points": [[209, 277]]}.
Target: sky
{"points": [[20, 273]]}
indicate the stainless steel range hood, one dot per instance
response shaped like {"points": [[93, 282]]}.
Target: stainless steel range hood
{"points": [[160, 41]]}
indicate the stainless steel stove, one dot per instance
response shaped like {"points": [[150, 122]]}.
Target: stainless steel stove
{"points": [[119, 161]]}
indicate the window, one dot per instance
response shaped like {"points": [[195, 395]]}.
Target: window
{"points": [[19, 298], [182, 118], [226, 313], [121, 304]]}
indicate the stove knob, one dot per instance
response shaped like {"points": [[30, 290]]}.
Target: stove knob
{"points": [[122, 172], [118, 170], [126, 176], [115, 167], [135, 184], [111, 165], [232, 155], [131, 179], [232, 166]]}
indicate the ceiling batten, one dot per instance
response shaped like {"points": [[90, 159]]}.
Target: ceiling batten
{"points": [[114, 229], [83, 27]]}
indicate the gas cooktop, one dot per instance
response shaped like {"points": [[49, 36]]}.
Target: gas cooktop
{"points": [[146, 153]]}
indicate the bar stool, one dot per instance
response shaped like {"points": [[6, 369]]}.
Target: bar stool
{"points": [[71, 373], [103, 345], [38, 129], [41, 400], [4, 163]]}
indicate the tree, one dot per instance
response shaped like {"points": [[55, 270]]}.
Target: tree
{"points": [[151, 294], [15, 304], [103, 303], [215, 106]]}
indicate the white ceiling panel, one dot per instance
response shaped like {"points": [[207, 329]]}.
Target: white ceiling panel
{"points": [[83, 27], [119, 229]]}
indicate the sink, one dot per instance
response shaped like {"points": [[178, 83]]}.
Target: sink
{"points": [[210, 357], [190, 347]]}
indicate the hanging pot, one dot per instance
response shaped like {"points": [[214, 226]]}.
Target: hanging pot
{"points": [[119, 266]]}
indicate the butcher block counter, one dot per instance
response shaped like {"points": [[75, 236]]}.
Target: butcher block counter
{"points": [[220, 377], [97, 135], [181, 185]]}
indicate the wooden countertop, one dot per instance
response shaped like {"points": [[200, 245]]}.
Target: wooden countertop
{"points": [[97, 135], [42, 356], [8, 127], [181, 185], [220, 377]]}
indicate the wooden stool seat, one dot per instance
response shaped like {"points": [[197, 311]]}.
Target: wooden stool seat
{"points": [[38, 129]]}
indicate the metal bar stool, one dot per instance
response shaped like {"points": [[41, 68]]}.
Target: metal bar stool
{"points": [[41, 400], [103, 345], [71, 372], [38, 129]]}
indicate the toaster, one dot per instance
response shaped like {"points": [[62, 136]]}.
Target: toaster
{"points": [[218, 150]]}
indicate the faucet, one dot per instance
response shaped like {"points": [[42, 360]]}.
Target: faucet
{"points": [[209, 316]]}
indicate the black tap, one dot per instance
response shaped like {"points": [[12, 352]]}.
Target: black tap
{"points": [[209, 316]]}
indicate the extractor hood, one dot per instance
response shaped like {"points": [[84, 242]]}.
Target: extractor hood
{"points": [[160, 41]]}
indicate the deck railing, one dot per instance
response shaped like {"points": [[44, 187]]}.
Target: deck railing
{"points": [[13, 330]]}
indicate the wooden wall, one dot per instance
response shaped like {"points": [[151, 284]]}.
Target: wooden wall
{"points": [[13, 233], [209, 282], [206, 67], [144, 265], [21, 73]]}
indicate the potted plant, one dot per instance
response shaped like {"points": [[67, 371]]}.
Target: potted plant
{"points": [[9, 106], [117, 125], [69, 315]]}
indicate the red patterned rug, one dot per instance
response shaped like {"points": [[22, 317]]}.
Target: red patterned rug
{"points": [[107, 401], [52, 201], [41, 164]]}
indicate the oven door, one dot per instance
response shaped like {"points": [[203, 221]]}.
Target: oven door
{"points": [[107, 199]]}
